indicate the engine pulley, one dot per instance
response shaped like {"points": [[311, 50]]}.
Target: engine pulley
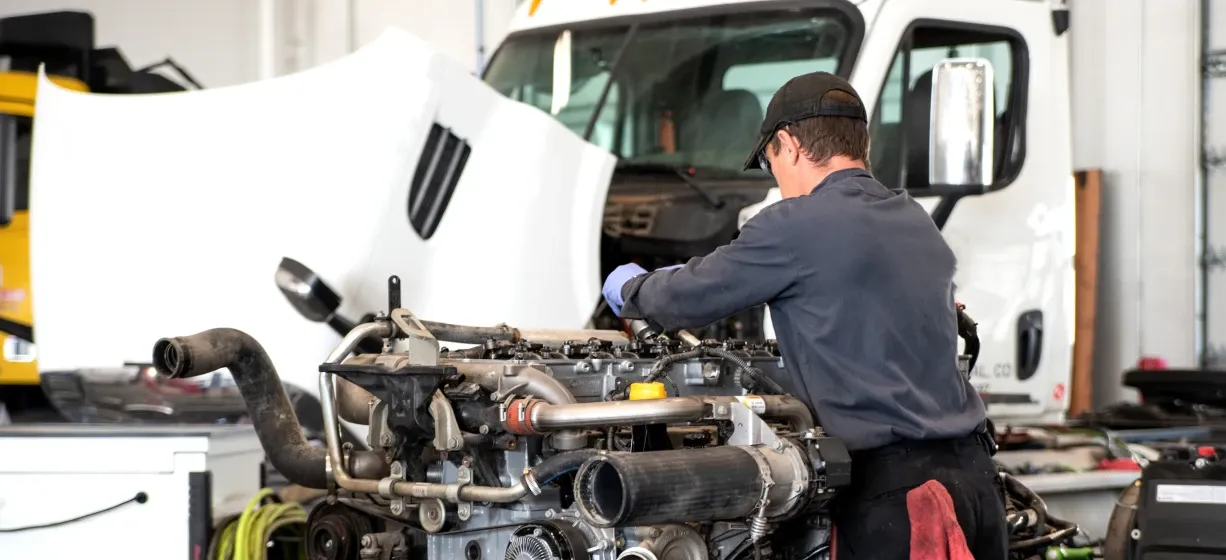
{"points": [[335, 532], [547, 541]]}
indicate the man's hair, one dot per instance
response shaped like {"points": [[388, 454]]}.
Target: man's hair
{"points": [[822, 138]]}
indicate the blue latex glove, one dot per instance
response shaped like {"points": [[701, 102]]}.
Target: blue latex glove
{"points": [[612, 289]]}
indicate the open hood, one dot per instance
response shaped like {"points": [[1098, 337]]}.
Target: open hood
{"points": [[166, 214]]}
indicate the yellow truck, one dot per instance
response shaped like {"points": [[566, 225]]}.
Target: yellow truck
{"points": [[62, 42]]}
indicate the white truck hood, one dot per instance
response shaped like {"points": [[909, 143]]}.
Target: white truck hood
{"points": [[164, 215]]}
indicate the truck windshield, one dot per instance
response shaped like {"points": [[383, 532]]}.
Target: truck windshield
{"points": [[685, 92]]}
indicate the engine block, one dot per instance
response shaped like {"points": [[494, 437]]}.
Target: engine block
{"points": [[593, 447]]}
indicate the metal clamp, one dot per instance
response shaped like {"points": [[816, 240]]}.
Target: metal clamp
{"points": [[464, 477], [758, 523], [397, 504]]}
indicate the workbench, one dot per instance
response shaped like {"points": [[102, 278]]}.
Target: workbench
{"points": [[132, 492]]}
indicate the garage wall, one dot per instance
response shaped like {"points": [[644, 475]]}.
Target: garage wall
{"points": [[456, 38], [1136, 81], [217, 41], [228, 42]]}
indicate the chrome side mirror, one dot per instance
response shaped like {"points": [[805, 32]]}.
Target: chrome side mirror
{"points": [[304, 289], [963, 130]]}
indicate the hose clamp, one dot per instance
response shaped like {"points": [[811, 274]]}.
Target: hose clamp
{"points": [[329, 475], [757, 525], [385, 488], [530, 481]]}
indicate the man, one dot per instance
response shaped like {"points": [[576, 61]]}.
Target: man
{"points": [[860, 287]]}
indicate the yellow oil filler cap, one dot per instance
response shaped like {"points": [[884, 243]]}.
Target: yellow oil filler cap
{"points": [[647, 391]]}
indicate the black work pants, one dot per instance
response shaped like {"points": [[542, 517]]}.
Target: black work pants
{"points": [[871, 517]]}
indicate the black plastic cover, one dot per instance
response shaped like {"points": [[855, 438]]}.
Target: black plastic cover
{"points": [[1182, 511]]}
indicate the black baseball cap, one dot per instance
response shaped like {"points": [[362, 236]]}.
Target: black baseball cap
{"points": [[802, 98]]}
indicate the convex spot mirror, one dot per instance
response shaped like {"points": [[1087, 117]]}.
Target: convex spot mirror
{"points": [[963, 130], [306, 291]]}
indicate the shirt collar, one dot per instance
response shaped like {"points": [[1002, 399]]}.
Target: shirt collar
{"points": [[842, 175]]}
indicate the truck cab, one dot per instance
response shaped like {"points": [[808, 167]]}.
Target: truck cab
{"points": [[677, 90]]}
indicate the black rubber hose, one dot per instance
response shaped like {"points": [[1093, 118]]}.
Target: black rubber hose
{"points": [[760, 378], [271, 413], [658, 368], [553, 467], [463, 334], [661, 366], [659, 487], [1028, 497], [1055, 537]]}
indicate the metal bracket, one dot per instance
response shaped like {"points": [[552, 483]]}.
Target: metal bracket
{"points": [[379, 435], [447, 434], [397, 473], [464, 477], [748, 427], [414, 339]]}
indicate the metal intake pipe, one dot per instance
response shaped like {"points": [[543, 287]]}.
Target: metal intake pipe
{"points": [[271, 412], [499, 377], [526, 381], [534, 417], [678, 410]]}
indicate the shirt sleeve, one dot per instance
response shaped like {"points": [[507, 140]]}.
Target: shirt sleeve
{"points": [[757, 267]]}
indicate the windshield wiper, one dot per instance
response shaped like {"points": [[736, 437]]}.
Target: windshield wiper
{"points": [[604, 92], [682, 172]]}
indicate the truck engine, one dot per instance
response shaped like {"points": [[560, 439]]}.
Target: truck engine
{"points": [[547, 444], [526, 451]]}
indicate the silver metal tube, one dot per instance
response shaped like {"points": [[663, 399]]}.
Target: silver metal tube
{"points": [[456, 493], [327, 398], [327, 401], [491, 494], [675, 410], [355, 337], [499, 377]]}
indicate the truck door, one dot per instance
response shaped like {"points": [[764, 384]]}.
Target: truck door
{"points": [[1014, 242]]}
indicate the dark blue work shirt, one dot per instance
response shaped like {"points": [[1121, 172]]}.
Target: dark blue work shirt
{"points": [[860, 287]]}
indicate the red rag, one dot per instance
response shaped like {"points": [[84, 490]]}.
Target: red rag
{"points": [[935, 533]]}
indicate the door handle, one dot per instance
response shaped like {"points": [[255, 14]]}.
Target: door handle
{"points": [[1029, 343]]}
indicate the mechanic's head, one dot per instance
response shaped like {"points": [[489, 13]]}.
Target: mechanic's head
{"points": [[815, 125]]}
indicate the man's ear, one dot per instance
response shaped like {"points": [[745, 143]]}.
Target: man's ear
{"points": [[789, 147]]}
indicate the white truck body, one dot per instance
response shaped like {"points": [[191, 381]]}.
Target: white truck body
{"points": [[226, 182], [316, 166]]}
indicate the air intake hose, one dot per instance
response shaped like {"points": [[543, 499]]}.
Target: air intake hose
{"points": [[657, 487], [271, 412]]}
